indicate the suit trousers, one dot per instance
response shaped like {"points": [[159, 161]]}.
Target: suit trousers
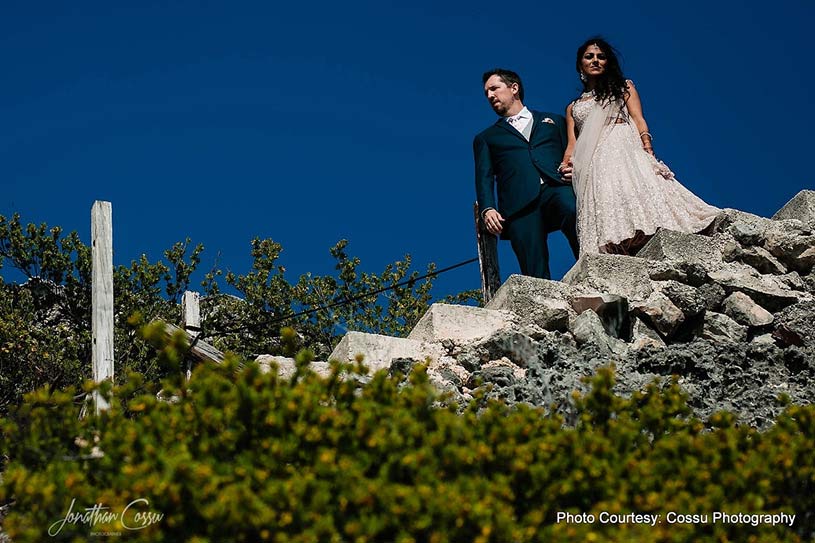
{"points": [[528, 230]]}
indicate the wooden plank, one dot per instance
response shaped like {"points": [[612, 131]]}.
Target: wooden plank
{"points": [[191, 311], [200, 350], [102, 295], [487, 257], [191, 319]]}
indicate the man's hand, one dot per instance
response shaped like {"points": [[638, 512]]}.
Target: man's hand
{"points": [[493, 221], [566, 169]]}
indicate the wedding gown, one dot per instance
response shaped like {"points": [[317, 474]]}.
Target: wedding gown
{"points": [[619, 194]]}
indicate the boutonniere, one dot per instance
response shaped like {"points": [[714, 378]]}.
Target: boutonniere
{"points": [[548, 120]]}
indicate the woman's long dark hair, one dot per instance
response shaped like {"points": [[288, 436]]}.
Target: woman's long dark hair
{"points": [[611, 84]]}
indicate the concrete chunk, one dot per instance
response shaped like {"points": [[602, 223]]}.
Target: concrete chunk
{"points": [[668, 245], [626, 276], [535, 301], [801, 207], [380, 350], [458, 323]]}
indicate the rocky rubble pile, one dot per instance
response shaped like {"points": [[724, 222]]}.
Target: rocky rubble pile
{"points": [[729, 312]]}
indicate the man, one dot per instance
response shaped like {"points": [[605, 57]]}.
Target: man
{"points": [[521, 154]]}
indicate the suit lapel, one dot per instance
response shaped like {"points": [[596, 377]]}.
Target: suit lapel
{"points": [[502, 122]]}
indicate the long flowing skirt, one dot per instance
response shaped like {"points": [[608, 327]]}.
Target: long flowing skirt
{"points": [[624, 198]]}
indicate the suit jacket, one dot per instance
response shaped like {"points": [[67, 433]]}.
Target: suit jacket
{"points": [[504, 158]]}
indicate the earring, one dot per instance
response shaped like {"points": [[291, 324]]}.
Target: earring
{"points": [[583, 77]]}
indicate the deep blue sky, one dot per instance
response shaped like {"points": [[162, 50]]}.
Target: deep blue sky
{"points": [[308, 122]]}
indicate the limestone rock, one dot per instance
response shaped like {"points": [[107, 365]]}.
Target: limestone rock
{"points": [[612, 310], [795, 325], [286, 366], [719, 327], [458, 323], [668, 245], [765, 290], [801, 207], [744, 310], [761, 259], [660, 312], [625, 276], [796, 251], [379, 350], [688, 299], [644, 337], [587, 328], [535, 301]]}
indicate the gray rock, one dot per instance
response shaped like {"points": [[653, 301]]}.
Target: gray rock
{"points": [[660, 312], [668, 245], [713, 294], [535, 301], [719, 327], [512, 345], [762, 260], [744, 310], [801, 207], [750, 227], [795, 325], [765, 290], [688, 299], [612, 310], [796, 251], [764, 339], [643, 337], [587, 328], [625, 276]]}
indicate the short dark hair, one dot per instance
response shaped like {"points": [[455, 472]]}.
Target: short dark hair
{"points": [[508, 77]]}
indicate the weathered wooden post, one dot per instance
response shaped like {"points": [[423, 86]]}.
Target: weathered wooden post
{"points": [[191, 319], [102, 296], [487, 257]]}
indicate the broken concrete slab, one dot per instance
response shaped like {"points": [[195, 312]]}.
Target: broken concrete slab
{"points": [[459, 323], [535, 301], [626, 276], [672, 246], [800, 207], [378, 351]]}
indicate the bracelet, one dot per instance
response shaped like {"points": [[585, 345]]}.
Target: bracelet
{"points": [[643, 134]]}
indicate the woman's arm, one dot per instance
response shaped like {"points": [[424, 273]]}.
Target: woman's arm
{"points": [[634, 106], [570, 135]]}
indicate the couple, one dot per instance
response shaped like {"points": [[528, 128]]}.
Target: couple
{"points": [[592, 175]]}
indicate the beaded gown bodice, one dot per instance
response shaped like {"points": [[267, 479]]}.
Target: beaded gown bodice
{"points": [[582, 107]]}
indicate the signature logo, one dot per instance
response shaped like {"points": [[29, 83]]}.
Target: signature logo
{"points": [[135, 516]]}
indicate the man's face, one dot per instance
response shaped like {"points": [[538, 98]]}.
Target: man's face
{"points": [[500, 96]]}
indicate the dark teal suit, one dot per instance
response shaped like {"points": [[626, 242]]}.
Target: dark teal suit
{"points": [[511, 166]]}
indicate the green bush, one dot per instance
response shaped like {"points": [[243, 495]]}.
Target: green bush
{"points": [[247, 456], [45, 335]]}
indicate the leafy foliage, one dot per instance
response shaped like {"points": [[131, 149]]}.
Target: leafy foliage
{"points": [[45, 335], [248, 456]]}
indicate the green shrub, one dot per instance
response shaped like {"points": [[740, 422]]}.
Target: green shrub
{"points": [[247, 456]]}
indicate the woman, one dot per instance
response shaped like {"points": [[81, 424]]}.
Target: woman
{"points": [[623, 193]]}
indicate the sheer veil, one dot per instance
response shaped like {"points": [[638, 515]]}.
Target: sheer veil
{"points": [[602, 114]]}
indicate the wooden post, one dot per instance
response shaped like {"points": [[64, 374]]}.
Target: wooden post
{"points": [[102, 296], [191, 318], [487, 257]]}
